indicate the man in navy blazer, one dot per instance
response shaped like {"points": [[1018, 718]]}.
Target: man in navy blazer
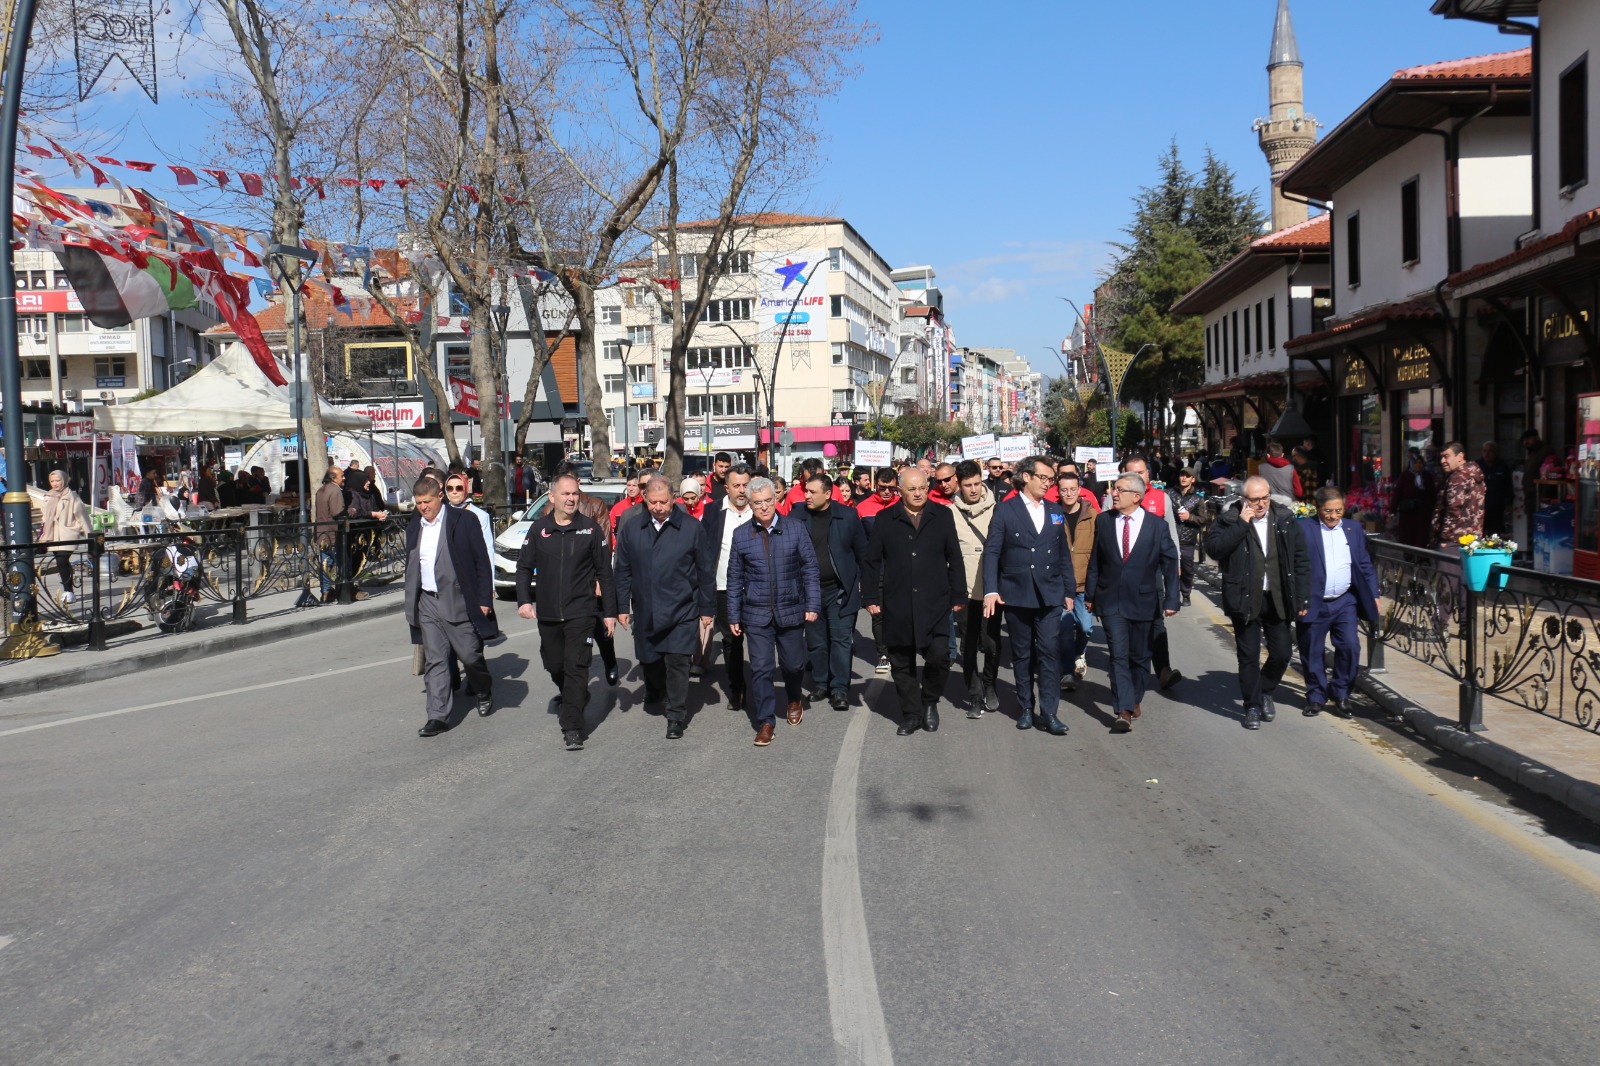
{"points": [[1027, 570], [1133, 580], [1344, 588]]}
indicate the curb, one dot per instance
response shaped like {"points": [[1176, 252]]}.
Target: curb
{"points": [[232, 638], [1581, 797]]}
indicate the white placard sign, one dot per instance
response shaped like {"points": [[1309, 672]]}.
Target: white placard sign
{"points": [[1101, 456], [1015, 449], [874, 453], [982, 446]]}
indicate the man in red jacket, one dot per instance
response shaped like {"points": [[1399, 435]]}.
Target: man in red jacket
{"points": [[944, 484]]}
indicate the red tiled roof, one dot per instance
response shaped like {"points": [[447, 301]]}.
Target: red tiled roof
{"points": [[1566, 234], [1403, 312], [1312, 233], [1518, 64], [764, 218], [320, 314], [917, 311]]}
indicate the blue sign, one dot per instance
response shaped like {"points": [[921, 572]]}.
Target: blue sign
{"points": [[110, 383], [792, 318]]}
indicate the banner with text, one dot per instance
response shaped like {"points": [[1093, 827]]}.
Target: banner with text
{"points": [[982, 446], [1103, 457], [874, 453], [1015, 449]]}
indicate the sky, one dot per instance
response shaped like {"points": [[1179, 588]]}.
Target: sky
{"points": [[1001, 142]]}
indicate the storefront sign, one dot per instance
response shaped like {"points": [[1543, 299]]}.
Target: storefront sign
{"points": [[109, 342], [1560, 333], [1411, 365], [61, 301], [118, 382], [1351, 376], [405, 414], [74, 428]]}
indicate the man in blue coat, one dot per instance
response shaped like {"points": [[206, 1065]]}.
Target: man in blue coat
{"points": [[1133, 581], [661, 587], [1344, 588], [1027, 571], [773, 589]]}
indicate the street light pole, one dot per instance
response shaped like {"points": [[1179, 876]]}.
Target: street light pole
{"points": [[1113, 393], [626, 344], [279, 254], [502, 318], [394, 428]]}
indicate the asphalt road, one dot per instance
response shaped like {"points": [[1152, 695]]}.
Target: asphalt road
{"points": [[260, 862]]}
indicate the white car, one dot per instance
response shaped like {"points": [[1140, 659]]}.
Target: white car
{"points": [[508, 545]]}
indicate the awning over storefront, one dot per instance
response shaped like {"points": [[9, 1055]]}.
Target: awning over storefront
{"points": [[812, 434]]}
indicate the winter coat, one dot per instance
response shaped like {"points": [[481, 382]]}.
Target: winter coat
{"points": [[659, 582], [1080, 538], [1188, 532], [1280, 474], [972, 531], [65, 517], [1232, 543], [915, 573], [773, 577], [568, 561], [1460, 508], [847, 547]]}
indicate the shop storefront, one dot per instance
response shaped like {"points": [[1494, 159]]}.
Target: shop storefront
{"points": [[1360, 418]]}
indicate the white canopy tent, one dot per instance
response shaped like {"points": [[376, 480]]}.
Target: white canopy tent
{"points": [[228, 397]]}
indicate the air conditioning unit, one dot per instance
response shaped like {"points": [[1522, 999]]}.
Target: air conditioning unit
{"points": [[69, 394], [41, 338]]}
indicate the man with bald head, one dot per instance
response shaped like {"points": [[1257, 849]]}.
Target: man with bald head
{"points": [[1266, 585]]}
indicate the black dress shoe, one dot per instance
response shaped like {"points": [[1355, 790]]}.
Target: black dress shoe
{"points": [[909, 726], [1025, 719], [930, 718], [574, 740], [991, 698], [485, 705], [434, 727], [1053, 725], [674, 730], [816, 696], [1269, 710], [1343, 709], [839, 701], [1312, 710], [455, 680], [611, 674], [1252, 718], [736, 701]]}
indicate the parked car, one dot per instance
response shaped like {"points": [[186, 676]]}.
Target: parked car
{"points": [[508, 545]]}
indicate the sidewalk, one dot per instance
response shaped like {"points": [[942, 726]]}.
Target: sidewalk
{"points": [[271, 618], [1553, 758]]}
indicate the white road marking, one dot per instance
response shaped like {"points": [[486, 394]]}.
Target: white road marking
{"points": [[7, 941], [197, 697], [860, 1037]]}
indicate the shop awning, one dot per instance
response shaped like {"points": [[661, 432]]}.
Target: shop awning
{"points": [[812, 434]]}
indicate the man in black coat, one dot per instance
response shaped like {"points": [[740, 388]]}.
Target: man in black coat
{"points": [[913, 576], [567, 551], [1266, 586], [841, 545], [671, 604], [449, 592]]}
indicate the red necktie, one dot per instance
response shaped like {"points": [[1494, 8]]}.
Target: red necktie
{"points": [[1127, 527]]}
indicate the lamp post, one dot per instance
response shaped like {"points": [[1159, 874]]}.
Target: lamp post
{"points": [[280, 254], [502, 318], [394, 428], [1113, 391], [765, 383], [626, 344], [706, 374]]}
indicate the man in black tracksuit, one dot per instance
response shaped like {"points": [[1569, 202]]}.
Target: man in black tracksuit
{"points": [[567, 551]]}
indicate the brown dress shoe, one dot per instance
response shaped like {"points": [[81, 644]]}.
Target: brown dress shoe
{"points": [[796, 709], [764, 735], [1138, 710], [1124, 722]]}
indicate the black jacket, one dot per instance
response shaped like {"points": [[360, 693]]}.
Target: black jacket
{"points": [[660, 583], [1188, 532], [567, 561], [1228, 544], [847, 547], [914, 572]]}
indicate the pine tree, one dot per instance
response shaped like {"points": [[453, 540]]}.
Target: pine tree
{"points": [[1222, 219]]}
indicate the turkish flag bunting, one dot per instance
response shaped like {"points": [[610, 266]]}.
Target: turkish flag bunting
{"points": [[464, 397], [376, 184], [184, 174], [108, 161], [134, 164], [220, 175], [349, 183], [42, 153], [252, 183]]}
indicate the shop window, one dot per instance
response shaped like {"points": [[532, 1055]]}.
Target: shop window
{"points": [[1352, 249], [1410, 224], [113, 366], [1572, 126]]}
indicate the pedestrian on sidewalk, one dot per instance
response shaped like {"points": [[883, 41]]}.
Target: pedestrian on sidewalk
{"points": [[328, 505], [774, 588], [915, 580], [448, 601], [65, 519], [662, 597], [840, 545], [1186, 503], [1344, 589], [1027, 573], [1133, 582], [1266, 582], [568, 552], [1460, 509], [974, 512]]}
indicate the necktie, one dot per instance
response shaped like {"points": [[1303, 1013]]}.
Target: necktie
{"points": [[1127, 527]]}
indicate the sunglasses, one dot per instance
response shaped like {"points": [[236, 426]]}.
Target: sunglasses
{"points": [[455, 488]]}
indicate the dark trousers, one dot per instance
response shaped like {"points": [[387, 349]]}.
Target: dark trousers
{"points": [[877, 636], [1036, 656], [935, 670], [566, 649], [668, 677], [831, 640], [1340, 620], [441, 639], [1186, 567], [979, 634], [1254, 678], [773, 648], [64, 569], [732, 648], [1128, 640], [607, 645], [1160, 653]]}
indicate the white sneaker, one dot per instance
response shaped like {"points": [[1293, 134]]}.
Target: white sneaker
{"points": [[883, 664], [66, 597], [1081, 668]]}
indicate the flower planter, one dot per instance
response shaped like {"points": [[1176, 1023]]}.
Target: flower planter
{"points": [[1475, 567]]}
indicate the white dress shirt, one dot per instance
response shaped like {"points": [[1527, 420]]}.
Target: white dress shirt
{"points": [[731, 521], [1134, 522], [428, 551], [1263, 530], [1336, 558], [1035, 512]]}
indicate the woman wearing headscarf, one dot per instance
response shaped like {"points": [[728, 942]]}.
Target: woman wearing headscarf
{"points": [[65, 519]]}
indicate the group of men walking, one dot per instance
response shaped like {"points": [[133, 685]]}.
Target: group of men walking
{"points": [[940, 558]]}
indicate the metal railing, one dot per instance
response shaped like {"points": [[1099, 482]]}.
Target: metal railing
{"points": [[118, 578]]}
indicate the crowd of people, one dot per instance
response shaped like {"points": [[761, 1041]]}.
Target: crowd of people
{"points": [[949, 560]]}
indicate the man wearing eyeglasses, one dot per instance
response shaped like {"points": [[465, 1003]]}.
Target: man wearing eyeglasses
{"points": [[1132, 585], [1266, 585], [1344, 589], [1027, 571]]}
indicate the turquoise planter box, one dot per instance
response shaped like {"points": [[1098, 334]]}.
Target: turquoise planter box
{"points": [[1475, 567]]}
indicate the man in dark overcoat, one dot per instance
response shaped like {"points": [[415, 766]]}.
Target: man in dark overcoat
{"points": [[914, 577], [664, 598]]}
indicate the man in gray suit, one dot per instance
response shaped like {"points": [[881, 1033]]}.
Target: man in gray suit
{"points": [[449, 591]]}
